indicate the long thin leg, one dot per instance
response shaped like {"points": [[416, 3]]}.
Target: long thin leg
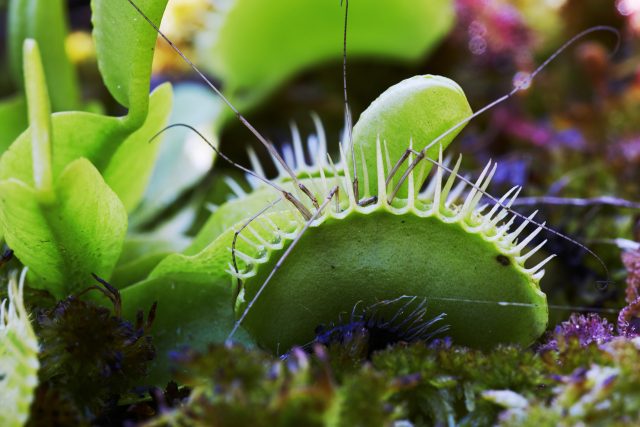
{"points": [[399, 163], [525, 218], [574, 201], [347, 111], [245, 225], [287, 195], [525, 83], [284, 256], [419, 156]]}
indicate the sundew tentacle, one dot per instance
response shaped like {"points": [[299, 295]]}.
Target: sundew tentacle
{"points": [[18, 356]]}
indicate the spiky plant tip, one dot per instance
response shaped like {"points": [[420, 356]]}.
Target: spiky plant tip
{"points": [[18, 356]]}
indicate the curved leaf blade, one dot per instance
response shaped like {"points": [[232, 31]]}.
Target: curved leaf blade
{"points": [[126, 70], [254, 45], [195, 302], [39, 111], [130, 167], [63, 242]]}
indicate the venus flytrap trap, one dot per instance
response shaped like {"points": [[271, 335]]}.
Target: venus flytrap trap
{"points": [[18, 356], [371, 250], [320, 244], [383, 239]]}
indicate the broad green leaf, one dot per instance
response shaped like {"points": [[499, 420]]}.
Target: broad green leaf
{"points": [[125, 50], [13, 120], [142, 251], [63, 242], [138, 269], [130, 167], [254, 45], [44, 21], [75, 134]]}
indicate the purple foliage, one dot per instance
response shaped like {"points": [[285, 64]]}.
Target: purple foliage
{"points": [[588, 329], [629, 320]]}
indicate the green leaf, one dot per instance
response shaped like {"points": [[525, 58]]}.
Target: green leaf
{"points": [[13, 120], [254, 45], [415, 111], [138, 269], [63, 242], [39, 111], [100, 139], [195, 302], [75, 134], [141, 253], [44, 21], [130, 167], [125, 51]]}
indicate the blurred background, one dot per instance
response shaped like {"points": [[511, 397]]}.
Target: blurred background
{"points": [[572, 139]]}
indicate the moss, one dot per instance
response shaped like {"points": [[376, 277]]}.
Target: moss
{"points": [[90, 357]]}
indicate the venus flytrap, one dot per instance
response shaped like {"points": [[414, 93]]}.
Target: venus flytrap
{"points": [[18, 356], [299, 262], [367, 252]]}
